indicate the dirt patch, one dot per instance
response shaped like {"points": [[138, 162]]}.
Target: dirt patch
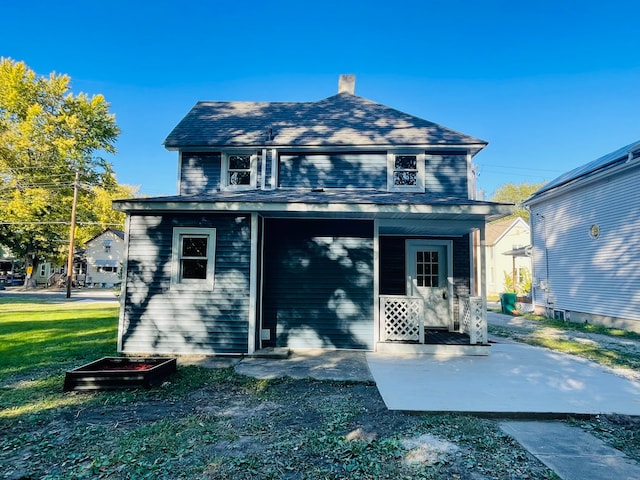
{"points": [[249, 429]]}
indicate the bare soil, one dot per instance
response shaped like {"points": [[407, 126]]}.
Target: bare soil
{"points": [[240, 428]]}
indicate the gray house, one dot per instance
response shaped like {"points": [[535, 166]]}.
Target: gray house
{"points": [[586, 242], [338, 224]]}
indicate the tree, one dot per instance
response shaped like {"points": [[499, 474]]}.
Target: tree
{"points": [[47, 134], [516, 193]]}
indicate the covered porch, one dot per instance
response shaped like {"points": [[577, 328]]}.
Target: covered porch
{"points": [[430, 297], [402, 324]]}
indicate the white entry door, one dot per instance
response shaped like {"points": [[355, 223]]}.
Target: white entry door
{"points": [[428, 276]]}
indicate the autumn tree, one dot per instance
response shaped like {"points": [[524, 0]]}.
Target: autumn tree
{"points": [[47, 134], [516, 193]]}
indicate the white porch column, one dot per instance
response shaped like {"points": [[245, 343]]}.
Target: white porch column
{"points": [[483, 264], [483, 279], [253, 285], [376, 284]]}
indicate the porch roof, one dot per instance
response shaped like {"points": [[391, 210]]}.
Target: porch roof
{"points": [[361, 203]]}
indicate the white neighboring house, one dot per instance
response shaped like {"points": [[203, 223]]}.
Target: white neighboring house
{"points": [[586, 242], [503, 238], [105, 254]]}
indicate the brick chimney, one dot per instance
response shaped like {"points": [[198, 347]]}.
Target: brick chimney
{"points": [[347, 84]]}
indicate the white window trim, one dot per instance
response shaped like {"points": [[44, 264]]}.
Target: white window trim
{"points": [[253, 179], [420, 177], [176, 245]]}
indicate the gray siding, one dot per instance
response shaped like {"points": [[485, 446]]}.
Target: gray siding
{"points": [[596, 276], [333, 170], [318, 284], [446, 175], [161, 320], [199, 173]]}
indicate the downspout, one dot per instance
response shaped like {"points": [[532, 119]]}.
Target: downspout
{"points": [[545, 287]]}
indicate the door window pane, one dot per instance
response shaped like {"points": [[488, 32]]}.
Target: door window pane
{"points": [[427, 269]]}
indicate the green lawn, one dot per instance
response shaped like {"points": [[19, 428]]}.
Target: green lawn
{"points": [[213, 424], [36, 336]]}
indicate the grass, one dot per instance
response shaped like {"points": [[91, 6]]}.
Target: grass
{"points": [[583, 327], [602, 354], [217, 424], [32, 336]]}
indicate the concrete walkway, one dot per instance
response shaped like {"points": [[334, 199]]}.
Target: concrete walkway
{"points": [[570, 452], [513, 379]]}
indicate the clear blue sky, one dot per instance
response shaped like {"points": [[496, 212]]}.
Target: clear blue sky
{"points": [[550, 85]]}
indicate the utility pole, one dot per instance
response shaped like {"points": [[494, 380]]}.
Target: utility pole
{"points": [[72, 232]]}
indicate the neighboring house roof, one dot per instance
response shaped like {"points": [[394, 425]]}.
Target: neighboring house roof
{"points": [[600, 165], [496, 230], [340, 120], [119, 233]]}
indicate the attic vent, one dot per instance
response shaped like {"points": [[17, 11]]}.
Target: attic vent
{"points": [[347, 84]]}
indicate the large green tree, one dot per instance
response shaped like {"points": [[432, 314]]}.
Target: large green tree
{"points": [[516, 193], [47, 134]]}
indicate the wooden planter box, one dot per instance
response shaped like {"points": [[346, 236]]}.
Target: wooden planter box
{"points": [[111, 373]]}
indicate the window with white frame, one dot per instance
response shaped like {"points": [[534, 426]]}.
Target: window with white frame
{"points": [[405, 172], [193, 257], [239, 170]]}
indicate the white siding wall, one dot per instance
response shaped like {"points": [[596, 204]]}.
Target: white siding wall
{"points": [[97, 253], [499, 264], [596, 276]]}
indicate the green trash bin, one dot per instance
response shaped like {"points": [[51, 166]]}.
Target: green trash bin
{"points": [[508, 303]]}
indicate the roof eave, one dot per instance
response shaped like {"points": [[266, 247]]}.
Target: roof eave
{"points": [[488, 212]]}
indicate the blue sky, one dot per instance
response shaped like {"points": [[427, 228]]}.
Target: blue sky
{"points": [[550, 85]]}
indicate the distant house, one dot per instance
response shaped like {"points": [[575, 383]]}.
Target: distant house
{"points": [[505, 239], [336, 224], [104, 257], [586, 242]]}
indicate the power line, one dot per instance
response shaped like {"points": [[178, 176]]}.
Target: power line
{"points": [[59, 223]]}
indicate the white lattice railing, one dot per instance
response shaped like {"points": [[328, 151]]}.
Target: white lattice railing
{"points": [[473, 319], [402, 318]]}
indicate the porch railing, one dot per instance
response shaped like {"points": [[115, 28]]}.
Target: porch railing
{"points": [[473, 319], [402, 318]]}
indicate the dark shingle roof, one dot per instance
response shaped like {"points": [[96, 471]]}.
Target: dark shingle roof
{"points": [[302, 196], [340, 120]]}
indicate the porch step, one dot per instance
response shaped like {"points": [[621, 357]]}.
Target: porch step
{"points": [[272, 352], [432, 349]]}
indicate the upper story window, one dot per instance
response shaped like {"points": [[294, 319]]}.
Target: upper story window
{"points": [[107, 245], [405, 172], [239, 170], [193, 255]]}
